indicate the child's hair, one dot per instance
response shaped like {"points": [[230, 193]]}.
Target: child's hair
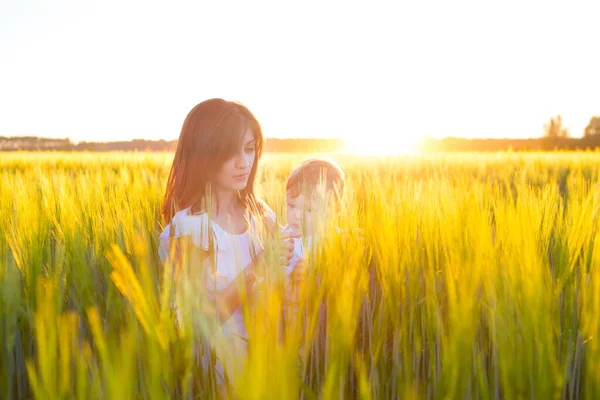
{"points": [[312, 173]]}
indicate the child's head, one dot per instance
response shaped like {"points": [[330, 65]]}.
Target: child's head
{"points": [[312, 189]]}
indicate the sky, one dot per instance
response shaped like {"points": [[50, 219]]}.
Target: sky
{"points": [[363, 71]]}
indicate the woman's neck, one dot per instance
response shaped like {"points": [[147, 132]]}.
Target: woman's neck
{"points": [[227, 202], [230, 214]]}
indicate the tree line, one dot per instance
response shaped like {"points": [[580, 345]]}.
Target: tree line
{"points": [[31, 143], [556, 137]]}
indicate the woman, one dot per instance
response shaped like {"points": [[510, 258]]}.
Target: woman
{"points": [[210, 199]]}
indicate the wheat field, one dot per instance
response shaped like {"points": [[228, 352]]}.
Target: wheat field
{"points": [[475, 276]]}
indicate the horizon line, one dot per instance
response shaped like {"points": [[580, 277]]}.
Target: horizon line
{"points": [[424, 137]]}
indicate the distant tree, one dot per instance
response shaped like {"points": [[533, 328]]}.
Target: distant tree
{"points": [[593, 128], [554, 128]]}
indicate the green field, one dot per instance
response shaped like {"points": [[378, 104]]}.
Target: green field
{"points": [[476, 276]]}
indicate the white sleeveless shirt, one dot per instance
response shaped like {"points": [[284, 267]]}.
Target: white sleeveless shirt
{"points": [[233, 252]]}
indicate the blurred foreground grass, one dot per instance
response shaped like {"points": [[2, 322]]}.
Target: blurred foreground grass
{"points": [[477, 276]]}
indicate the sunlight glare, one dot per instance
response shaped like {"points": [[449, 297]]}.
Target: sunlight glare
{"points": [[399, 145]]}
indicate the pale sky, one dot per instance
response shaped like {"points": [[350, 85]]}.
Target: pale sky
{"points": [[118, 70]]}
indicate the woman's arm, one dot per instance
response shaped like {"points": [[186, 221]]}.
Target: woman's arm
{"points": [[230, 298], [182, 251], [186, 257]]}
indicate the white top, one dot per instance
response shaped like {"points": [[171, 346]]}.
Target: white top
{"points": [[299, 252], [233, 252]]}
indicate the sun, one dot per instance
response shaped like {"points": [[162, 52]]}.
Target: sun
{"points": [[398, 145]]}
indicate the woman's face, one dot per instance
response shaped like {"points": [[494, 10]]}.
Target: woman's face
{"points": [[235, 172]]}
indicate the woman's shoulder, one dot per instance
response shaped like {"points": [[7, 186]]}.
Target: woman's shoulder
{"points": [[185, 224]]}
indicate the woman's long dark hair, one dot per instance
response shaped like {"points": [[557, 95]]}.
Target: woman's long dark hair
{"points": [[212, 132]]}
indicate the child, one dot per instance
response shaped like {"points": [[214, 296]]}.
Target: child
{"points": [[312, 193]]}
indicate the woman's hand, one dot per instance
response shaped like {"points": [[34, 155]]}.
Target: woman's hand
{"points": [[279, 249]]}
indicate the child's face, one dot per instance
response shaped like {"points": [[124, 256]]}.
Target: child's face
{"points": [[304, 212]]}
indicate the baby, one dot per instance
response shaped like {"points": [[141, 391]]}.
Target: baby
{"points": [[312, 193]]}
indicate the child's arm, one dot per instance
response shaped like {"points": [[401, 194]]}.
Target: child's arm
{"points": [[299, 273], [292, 291]]}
